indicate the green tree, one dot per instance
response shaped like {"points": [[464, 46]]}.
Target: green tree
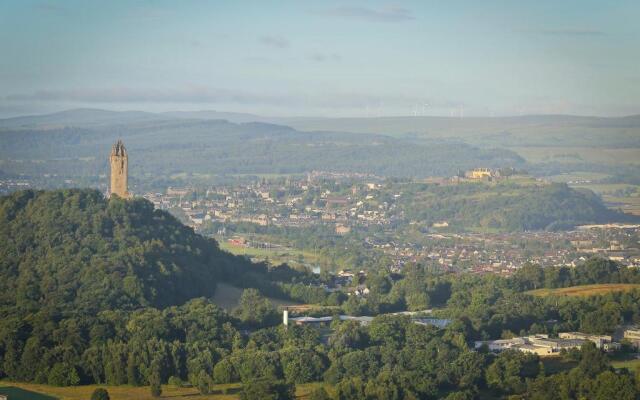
{"points": [[383, 387], [225, 372], [319, 394], [100, 394], [255, 310], [592, 360], [255, 365], [267, 389], [350, 389], [301, 366], [510, 369], [133, 374], [205, 383], [155, 383], [609, 385], [63, 374]]}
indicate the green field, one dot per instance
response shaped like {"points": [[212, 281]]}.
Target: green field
{"points": [[604, 188], [228, 297], [586, 290], [628, 204], [631, 365], [279, 255], [577, 176], [611, 156], [29, 391]]}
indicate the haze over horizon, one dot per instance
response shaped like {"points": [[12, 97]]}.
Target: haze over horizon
{"points": [[331, 59]]}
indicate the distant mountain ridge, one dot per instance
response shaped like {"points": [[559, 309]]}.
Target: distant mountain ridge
{"points": [[159, 146], [81, 117], [90, 117]]}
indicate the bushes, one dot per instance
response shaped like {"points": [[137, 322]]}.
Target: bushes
{"points": [[175, 381], [267, 389], [100, 394]]}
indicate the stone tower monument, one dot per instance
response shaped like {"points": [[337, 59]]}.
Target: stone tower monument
{"points": [[119, 170]]}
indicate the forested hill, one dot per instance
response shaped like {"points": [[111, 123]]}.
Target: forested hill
{"points": [[76, 250], [509, 207]]}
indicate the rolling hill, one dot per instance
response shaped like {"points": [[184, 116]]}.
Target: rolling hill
{"points": [[509, 207]]}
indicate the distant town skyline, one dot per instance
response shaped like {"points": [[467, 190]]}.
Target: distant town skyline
{"points": [[324, 58]]}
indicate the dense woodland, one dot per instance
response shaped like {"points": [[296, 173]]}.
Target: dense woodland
{"points": [[111, 291]]}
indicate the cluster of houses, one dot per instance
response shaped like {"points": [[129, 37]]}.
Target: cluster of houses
{"points": [[296, 203], [358, 205]]}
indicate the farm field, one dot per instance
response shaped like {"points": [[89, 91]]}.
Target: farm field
{"points": [[586, 290], [29, 391], [577, 177], [603, 188], [612, 156], [273, 255], [608, 191], [629, 205]]}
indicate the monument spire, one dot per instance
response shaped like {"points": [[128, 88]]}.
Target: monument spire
{"points": [[119, 170]]}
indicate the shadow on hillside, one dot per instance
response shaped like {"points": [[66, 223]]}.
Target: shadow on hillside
{"points": [[14, 393]]}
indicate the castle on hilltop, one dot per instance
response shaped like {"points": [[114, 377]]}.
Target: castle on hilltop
{"points": [[119, 170], [480, 173]]}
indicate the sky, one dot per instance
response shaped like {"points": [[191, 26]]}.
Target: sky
{"points": [[322, 58]]}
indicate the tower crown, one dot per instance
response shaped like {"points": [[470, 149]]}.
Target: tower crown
{"points": [[118, 149]]}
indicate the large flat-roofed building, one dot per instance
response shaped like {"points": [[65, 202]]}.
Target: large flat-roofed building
{"points": [[633, 335], [604, 342], [541, 345]]}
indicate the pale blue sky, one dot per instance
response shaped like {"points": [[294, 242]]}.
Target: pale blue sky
{"points": [[328, 58]]}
